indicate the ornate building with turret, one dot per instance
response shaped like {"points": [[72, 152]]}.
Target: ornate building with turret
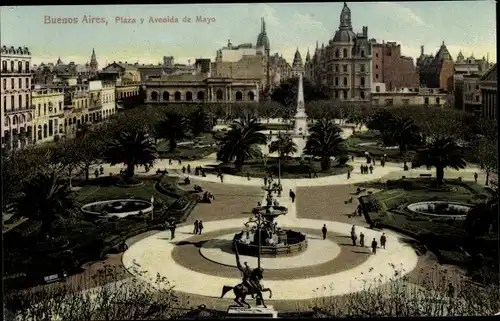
{"points": [[344, 65], [297, 65]]}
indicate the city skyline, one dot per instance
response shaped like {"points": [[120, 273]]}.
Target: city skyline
{"points": [[464, 26]]}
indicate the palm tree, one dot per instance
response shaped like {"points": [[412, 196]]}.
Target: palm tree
{"points": [[132, 148], [200, 122], [325, 141], [284, 145], [404, 132], [173, 127], [241, 142], [45, 198], [440, 153]]}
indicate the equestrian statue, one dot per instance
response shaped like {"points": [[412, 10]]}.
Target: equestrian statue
{"points": [[250, 285]]}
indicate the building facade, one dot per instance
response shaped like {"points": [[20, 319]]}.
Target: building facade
{"points": [[391, 68], [489, 93], [48, 114], [407, 96], [17, 110], [436, 71], [345, 64], [201, 89], [297, 65]]}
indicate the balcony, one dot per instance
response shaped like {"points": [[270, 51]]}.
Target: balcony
{"points": [[18, 110], [15, 71]]}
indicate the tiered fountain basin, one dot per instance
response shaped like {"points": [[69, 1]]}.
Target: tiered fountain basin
{"points": [[118, 208], [296, 243], [441, 209]]}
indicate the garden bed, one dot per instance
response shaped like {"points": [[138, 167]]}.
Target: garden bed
{"points": [[292, 168], [190, 151]]}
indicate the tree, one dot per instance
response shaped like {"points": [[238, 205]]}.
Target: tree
{"points": [[320, 109], [68, 153], [45, 198], [486, 151], [286, 93], [284, 145], [325, 141], [241, 142], [174, 127], [404, 132], [132, 148], [380, 120], [199, 122], [268, 109], [440, 153]]}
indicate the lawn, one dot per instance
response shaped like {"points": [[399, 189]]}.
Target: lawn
{"points": [[87, 239], [446, 237], [354, 141], [188, 152], [291, 168]]}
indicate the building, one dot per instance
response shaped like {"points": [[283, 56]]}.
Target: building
{"points": [[297, 65], [467, 73], [280, 70], [406, 96], [436, 71], [125, 78], [48, 114], [17, 110], [200, 89], [232, 53], [391, 68], [345, 64], [488, 88]]}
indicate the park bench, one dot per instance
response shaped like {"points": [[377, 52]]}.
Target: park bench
{"points": [[425, 175]]}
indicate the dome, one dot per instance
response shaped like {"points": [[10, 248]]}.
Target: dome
{"points": [[297, 59], [344, 35]]}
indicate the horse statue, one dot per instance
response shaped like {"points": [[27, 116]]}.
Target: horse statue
{"points": [[250, 285]]}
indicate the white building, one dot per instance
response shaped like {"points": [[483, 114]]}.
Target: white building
{"points": [[48, 114], [17, 111], [235, 53]]}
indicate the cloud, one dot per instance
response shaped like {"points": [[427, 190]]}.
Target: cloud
{"points": [[400, 12]]}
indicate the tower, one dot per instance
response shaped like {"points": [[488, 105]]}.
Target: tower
{"points": [[93, 62]]}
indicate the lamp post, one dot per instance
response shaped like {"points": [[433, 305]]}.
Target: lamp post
{"points": [[259, 240]]}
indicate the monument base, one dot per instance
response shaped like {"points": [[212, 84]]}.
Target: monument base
{"points": [[253, 312]]}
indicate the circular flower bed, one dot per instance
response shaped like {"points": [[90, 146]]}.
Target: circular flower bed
{"points": [[441, 209], [118, 208]]}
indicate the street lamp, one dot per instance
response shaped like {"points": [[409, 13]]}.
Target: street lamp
{"points": [[259, 240]]}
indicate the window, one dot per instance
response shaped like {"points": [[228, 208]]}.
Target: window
{"points": [[12, 84], [19, 67], [362, 68], [438, 101], [12, 103], [39, 109], [51, 128], [345, 53], [376, 66], [477, 87], [4, 103], [45, 131], [376, 76], [60, 105], [27, 83], [4, 66], [200, 95], [362, 95], [406, 102], [27, 66], [239, 96], [345, 81], [336, 68], [362, 81], [389, 102], [189, 96], [219, 95], [336, 81], [345, 94], [4, 84], [45, 108], [336, 94], [154, 95], [477, 98], [166, 95], [344, 68], [11, 66], [362, 53], [251, 96], [27, 100], [20, 98], [336, 53], [426, 101], [20, 83]]}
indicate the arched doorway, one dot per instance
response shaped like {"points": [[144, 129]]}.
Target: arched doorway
{"points": [[219, 95], [189, 96], [177, 96], [154, 95], [166, 95], [251, 96], [239, 96]]}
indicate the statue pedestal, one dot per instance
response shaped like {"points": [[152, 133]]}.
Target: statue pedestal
{"points": [[253, 312]]}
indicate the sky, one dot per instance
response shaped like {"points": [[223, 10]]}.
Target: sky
{"points": [[469, 26]]}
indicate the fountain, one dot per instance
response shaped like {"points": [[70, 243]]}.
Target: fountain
{"points": [[262, 237]]}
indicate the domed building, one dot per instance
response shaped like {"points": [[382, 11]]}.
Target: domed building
{"points": [[344, 65], [297, 65]]}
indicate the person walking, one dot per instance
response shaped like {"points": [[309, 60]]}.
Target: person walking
{"points": [[183, 169], [354, 237], [292, 196], [172, 230], [371, 169], [348, 173], [265, 180], [374, 246], [222, 178], [195, 230], [383, 240], [189, 169], [200, 227], [324, 230], [475, 178], [361, 239]]}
